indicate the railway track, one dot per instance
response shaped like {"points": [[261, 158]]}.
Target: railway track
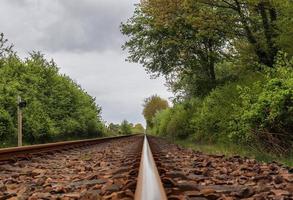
{"points": [[135, 167]]}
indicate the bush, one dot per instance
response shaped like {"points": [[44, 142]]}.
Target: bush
{"points": [[125, 128], [57, 107], [211, 121], [160, 122], [268, 116], [256, 110], [6, 125], [178, 126], [174, 122]]}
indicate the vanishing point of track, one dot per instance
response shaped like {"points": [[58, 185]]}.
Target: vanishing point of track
{"points": [[136, 167]]}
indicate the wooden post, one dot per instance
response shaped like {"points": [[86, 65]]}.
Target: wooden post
{"points": [[19, 122]]}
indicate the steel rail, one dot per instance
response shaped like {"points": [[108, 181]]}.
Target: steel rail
{"points": [[149, 185], [14, 152]]}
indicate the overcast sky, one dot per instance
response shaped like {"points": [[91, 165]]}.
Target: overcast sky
{"points": [[83, 38]]}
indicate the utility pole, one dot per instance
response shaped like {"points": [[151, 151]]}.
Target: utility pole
{"points": [[20, 105], [19, 121]]}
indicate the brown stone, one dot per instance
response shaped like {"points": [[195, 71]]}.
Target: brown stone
{"points": [[2, 187], [91, 195], [280, 192], [58, 189], [112, 188], [246, 193], [187, 186], [37, 172], [88, 182], [130, 185], [40, 195], [73, 195], [176, 174], [121, 170], [279, 179]]}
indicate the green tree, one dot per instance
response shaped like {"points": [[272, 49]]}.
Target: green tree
{"points": [[125, 128], [167, 42], [151, 106], [114, 128], [138, 128], [187, 40], [57, 107]]}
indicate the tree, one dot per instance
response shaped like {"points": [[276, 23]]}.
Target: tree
{"points": [[256, 21], [186, 40], [138, 128], [285, 27], [151, 106], [125, 128], [114, 128], [4, 48], [57, 107], [167, 42]]}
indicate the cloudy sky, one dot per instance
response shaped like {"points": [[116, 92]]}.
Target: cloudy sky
{"points": [[83, 38]]}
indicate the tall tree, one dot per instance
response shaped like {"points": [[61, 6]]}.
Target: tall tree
{"points": [[186, 40], [255, 21], [168, 39]]}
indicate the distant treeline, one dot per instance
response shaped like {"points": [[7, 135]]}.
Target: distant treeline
{"points": [[229, 64], [57, 108], [125, 128]]}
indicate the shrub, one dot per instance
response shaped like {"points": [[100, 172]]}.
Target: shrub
{"points": [[160, 122], [178, 126], [174, 122], [6, 125], [125, 128], [268, 116]]}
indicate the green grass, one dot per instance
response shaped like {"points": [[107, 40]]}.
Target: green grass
{"points": [[232, 150]]}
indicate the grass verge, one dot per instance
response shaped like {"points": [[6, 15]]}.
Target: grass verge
{"points": [[232, 150]]}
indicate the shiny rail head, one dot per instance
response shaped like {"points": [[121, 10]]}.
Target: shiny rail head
{"points": [[149, 185]]}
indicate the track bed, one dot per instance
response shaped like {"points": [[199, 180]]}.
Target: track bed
{"points": [[134, 168], [187, 174], [106, 170]]}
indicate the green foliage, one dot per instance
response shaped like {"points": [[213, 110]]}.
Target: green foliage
{"points": [[161, 121], [187, 40], [267, 117], [125, 128], [151, 106], [56, 106], [220, 58], [178, 126], [256, 111], [114, 129], [175, 122], [138, 128], [6, 125], [285, 25]]}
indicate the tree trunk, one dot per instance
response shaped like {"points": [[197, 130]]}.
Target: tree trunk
{"points": [[269, 32], [262, 55]]}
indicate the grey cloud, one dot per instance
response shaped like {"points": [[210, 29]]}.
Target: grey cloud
{"points": [[73, 25], [119, 87], [83, 37]]}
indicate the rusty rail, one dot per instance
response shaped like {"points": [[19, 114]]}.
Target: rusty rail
{"points": [[149, 185], [14, 152]]}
